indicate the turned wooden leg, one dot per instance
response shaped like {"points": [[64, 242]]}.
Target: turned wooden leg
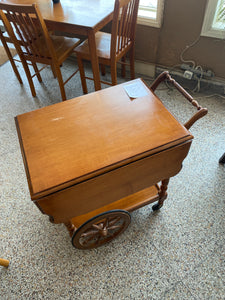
{"points": [[70, 227], [162, 194]]}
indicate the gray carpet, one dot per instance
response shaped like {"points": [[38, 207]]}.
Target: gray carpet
{"points": [[176, 253]]}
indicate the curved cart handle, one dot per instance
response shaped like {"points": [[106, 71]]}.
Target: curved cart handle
{"points": [[201, 111]]}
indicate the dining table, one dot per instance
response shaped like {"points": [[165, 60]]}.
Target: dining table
{"points": [[78, 17]]}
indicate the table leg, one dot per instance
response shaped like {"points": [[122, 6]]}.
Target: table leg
{"points": [[94, 59]]}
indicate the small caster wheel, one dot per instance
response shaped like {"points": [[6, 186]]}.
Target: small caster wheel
{"points": [[51, 219], [156, 206], [101, 229]]}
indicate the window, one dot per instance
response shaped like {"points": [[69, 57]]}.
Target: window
{"points": [[214, 21], [150, 12]]}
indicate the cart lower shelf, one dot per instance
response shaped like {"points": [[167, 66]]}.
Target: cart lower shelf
{"points": [[97, 227], [129, 203]]}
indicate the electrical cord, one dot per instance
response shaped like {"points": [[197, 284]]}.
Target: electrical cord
{"points": [[198, 86], [209, 96], [185, 49], [170, 87], [198, 67]]}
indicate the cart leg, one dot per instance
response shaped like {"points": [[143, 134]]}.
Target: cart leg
{"points": [[70, 227], [162, 194]]}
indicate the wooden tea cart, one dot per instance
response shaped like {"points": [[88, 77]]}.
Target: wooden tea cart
{"points": [[92, 160]]}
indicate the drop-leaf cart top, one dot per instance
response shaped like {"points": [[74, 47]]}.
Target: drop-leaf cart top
{"points": [[91, 160]]}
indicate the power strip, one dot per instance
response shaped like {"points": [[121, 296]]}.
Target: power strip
{"points": [[216, 84], [189, 71], [188, 74]]}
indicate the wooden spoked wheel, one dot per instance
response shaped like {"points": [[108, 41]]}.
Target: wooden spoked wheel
{"points": [[101, 229]]}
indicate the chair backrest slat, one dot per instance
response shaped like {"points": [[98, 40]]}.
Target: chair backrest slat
{"points": [[30, 32], [23, 34], [123, 25]]}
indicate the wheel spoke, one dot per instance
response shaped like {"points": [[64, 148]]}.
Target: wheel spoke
{"points": [[114, 227], [114, 221], [98, 226], [86, 234], [86, 241], [98, 239], [106, 223]]}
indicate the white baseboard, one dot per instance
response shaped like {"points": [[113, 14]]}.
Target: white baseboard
{"points": [[141, 67], [144, 68]]}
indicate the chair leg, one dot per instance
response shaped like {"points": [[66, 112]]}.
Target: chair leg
{"points": [[53, 71], [132, 71], [29, 78], [114, 74], [15, 68], [60, 81], [102, 69], [11, 58], [123, 67], [37, 71], [82, 74]]}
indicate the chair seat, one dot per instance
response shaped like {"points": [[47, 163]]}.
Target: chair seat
{"points": [[103, 44], [62, 46]]}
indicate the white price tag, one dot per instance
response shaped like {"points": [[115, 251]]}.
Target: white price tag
{"points": [[135, 90]]}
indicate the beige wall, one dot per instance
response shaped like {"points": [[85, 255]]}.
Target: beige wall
{"points": [[182, 24]]}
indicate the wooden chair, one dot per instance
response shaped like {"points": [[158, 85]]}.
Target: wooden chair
{"points": [[27, 29], [111, 48], [5, 39]]}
